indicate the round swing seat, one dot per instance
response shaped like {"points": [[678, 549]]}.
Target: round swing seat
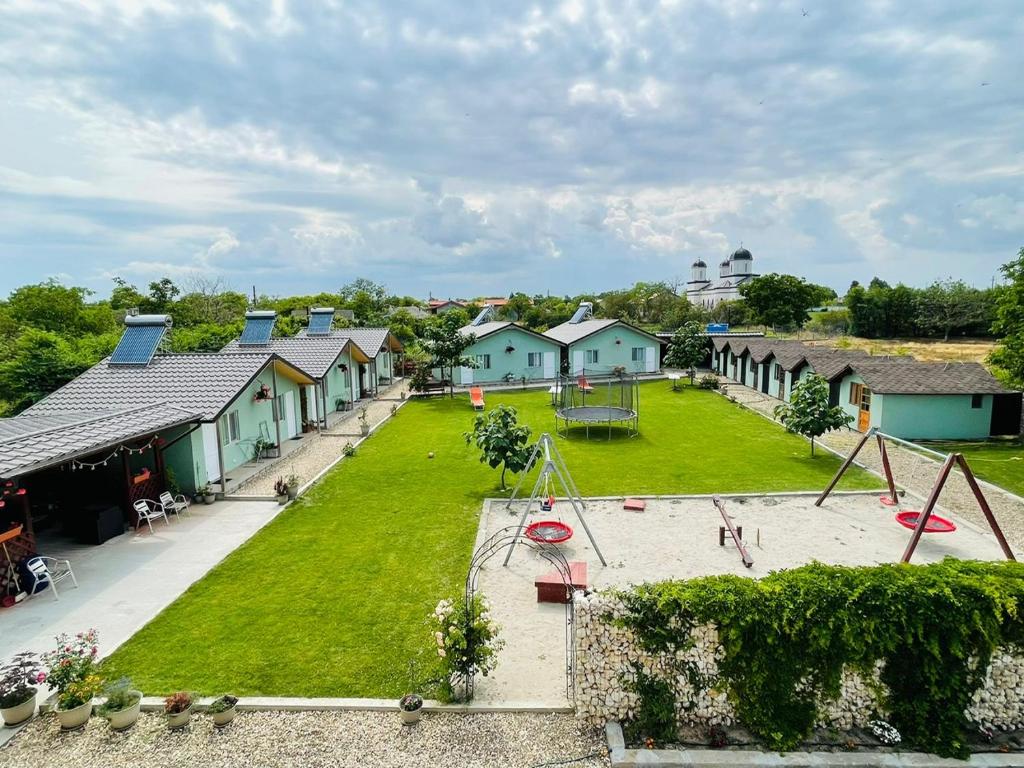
{"points": [[908, 519], [548, 532]]}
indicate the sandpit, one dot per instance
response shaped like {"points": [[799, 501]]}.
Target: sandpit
{"points": [[677, 538]]}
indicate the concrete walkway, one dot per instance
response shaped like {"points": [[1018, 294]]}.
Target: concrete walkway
{"points": [[319, 451], [128, 580], [915, 472]]}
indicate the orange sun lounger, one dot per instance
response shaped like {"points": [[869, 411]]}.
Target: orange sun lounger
{"points": [[476, 396], [584, 385]]}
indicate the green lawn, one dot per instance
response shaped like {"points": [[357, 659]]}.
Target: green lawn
{"points": [[998, 461], [331, 598]]}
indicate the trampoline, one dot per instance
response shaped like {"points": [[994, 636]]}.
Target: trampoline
{"points": [[598, 401]]}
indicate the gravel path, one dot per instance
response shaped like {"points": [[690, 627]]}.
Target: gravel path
{"points": [[913, 471], [319, 450], [313, 740]]}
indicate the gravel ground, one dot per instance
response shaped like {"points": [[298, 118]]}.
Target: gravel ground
{"points": [[318, 451], [913, 471], [313, 740]]}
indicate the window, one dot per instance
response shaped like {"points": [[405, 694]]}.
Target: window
{"points": [[639, 354], [592, 356], [225, 437], [780, 375], [976, 401], [279, 408], [535, 359], [483, 361], [856, 391], [230, 428]]}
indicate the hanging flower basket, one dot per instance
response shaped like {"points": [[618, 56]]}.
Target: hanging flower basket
{"points": [[263, 393]]}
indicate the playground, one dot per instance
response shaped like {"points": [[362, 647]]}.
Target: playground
{"points": [[679, 538]]}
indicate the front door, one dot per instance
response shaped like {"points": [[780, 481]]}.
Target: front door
{"points": [[864, 416], [465, 376], [651, 359], [549, 365], [211, 454], [289, 414]]}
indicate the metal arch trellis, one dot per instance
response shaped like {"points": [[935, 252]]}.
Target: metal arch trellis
{"points": [[507, 538]]}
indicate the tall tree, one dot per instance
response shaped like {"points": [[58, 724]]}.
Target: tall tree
{"points": [[502, 441], [687, 349], [951, 305], [1009, 355], [40, 362], [781, 300], [444, 341], [808, 413], [49, 306]]}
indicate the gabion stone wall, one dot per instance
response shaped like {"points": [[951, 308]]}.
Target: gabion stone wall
{"points": [[605, 655]]}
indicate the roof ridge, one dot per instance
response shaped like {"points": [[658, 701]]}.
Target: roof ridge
{"points": [[97, 415]]}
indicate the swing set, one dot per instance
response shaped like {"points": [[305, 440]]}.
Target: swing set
{"points": [[552, 469], [923, 521]]}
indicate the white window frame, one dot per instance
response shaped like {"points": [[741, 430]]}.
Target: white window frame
{"points": [[230, 428], [483, 362], [642, 358], [592, 357], [534, 359]]}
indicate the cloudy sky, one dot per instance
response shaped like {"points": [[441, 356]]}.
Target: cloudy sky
{"points": [[482, 147]]}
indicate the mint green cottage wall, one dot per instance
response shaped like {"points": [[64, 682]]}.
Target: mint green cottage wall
{"points": [[504, 350], [599, 346]]}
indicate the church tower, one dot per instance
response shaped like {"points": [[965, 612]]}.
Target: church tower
{"points": [[699, 272]]}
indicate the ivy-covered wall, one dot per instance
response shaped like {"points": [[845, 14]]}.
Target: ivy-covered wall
{"points": [[937, 650]]}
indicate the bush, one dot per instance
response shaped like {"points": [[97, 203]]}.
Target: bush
{"points": [[786, 639], [709, 381], [467, 641], [420, 377]]}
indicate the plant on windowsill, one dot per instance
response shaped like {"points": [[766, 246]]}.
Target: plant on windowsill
{"points": [[178, 709], [18, 681], [364, 424], [207, 494], [223, 710], [281, 490], [122, 705]]}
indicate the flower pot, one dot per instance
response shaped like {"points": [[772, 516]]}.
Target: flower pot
{"points": [[125, 718], [409, 718], [282, 499], [179, 719], [220, 719], [364, 429], [19, 713], [292, 493], [210, 498], [70, 719]]}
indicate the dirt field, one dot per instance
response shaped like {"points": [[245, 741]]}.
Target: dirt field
{"points": [[925, 350]]}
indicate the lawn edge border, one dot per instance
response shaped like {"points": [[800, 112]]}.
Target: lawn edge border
{"points": [[300, 704], [621, 757]]}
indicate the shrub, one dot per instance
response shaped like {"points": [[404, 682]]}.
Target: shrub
{"points": [[786, 639], [419, 378], [709, 381], [467, 641]]}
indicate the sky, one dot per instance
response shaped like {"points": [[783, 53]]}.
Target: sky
{"points": [[465, 149]]}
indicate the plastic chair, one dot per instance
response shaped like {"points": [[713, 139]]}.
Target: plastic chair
{"points": [[176, 504], [47, 572], [476, 396], [149, 510]]}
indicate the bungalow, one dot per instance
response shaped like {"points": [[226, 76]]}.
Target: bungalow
{"points": [[505, 351], [601, 346], [331, 360], [928, 401]]}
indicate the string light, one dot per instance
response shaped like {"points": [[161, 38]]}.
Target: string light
{"points": [[79, 464]]}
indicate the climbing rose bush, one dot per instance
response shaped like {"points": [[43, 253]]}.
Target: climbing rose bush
{"points": [[467, 642]]}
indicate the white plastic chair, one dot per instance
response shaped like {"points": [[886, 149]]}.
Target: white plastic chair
{"points": [[49, 571], [176, 504], [149, 511]]}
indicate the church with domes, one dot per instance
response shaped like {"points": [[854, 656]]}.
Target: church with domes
{"points": [[732, 273]]}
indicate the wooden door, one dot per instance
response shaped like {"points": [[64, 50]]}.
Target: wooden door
{"points": [[863, 420]]}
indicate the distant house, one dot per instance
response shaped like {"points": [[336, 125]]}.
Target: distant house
{"points": [[601, 346], [440, 306], [505, 351]]}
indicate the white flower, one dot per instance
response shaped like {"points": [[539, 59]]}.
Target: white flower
{"points": [[441, 652]]}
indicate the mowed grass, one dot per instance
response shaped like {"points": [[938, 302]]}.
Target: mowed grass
{"points": [[331, 598], [998, 461]]}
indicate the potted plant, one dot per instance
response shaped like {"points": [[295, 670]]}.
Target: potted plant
{"points": [[339, 403], [281, 490], [207, 494], [410, 707], [178, 709], [293, 486], [364, 425], [223, 710], [262, 394], [122, 705], [18, 681], [71, 672]]}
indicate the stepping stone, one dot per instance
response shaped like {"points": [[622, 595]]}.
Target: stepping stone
{"points": [[551, 588], [637, 505]]}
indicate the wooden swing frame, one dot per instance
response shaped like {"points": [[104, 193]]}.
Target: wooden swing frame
{"points": [[952, 459]]}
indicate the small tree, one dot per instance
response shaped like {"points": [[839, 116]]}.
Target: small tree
{"points": [[502, 441], [808, 413], [688, 348], [444, 341]]}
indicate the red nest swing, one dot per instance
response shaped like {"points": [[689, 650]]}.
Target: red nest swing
{"points": [[909, 519], [548, 531]]}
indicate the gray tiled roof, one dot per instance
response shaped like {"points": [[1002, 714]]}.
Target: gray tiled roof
{"points": [[370, 340], [198, 383], [313, 354], [31, 442], [903, 378]]}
